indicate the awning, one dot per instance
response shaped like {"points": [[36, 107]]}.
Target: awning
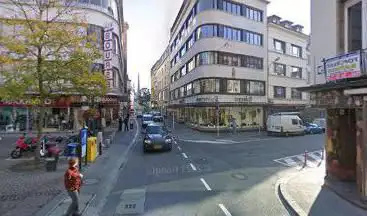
{"points": [[340, 84]]}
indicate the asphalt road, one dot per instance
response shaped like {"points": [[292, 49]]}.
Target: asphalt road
{"points": [[231, 176]]}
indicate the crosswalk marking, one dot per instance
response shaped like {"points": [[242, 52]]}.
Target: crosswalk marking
{"points": [[314, 156], [297, 161]]}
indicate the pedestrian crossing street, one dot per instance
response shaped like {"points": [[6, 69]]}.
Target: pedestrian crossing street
{"points": [[314, 159]]}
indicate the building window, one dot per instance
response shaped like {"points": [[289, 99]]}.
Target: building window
{"points": [[209, 85], [206, 31], [196, 86], [205, 5], [189, 89], [279, 46], [190, 42], [183, 51], [296, 94], [230, 33], [206, 58], [176, 93], [231, 8], [97, 32], [297, 51], [177, 75], [233, 86], [279, 92], [172, 95], [253, 38], [251, 62], [252, 13], [255, 88], [191, 65], [279, 69], [172, 78], [296, 72], [183, 71], [182, 91]]}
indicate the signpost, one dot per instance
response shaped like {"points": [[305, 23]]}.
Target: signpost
{"points": [[217, 111]]}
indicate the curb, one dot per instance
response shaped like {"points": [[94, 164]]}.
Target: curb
{"points": [[287, 200]]}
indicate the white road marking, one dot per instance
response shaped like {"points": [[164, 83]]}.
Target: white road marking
{"points": [[193, 167], [290, 162], [224, 209], [179, 148], [205, 184], [314, 156], [184, 155]]}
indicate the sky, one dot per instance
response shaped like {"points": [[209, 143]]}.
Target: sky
{"points": [[150, 20]]}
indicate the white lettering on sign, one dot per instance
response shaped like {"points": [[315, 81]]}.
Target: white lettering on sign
{"points": [[107, 56]]}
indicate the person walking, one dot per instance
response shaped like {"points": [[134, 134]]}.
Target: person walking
{"points": [[120, 123], [126, 122], [73, 182]]}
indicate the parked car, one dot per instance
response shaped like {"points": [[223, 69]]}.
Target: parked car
{"points": [[321, 122], [157, 137], [147, 119], [284, 124], [312, 128]]}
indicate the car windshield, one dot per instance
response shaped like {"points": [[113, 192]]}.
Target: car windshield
{"points": [[158, 119], [147, 118], [155, 130]]}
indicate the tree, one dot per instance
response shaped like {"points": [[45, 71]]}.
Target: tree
{"points": [[46, 52]]}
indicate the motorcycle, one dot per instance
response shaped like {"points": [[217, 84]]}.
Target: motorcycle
{"points": [[49, 146], [24, 144]]}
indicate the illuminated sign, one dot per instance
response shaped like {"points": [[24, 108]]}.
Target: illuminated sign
{"points": [[107, 56], [342, 67]]}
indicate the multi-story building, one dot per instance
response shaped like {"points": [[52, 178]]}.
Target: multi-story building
{"points": [[160, 82], [338, 50], [288, 66], [218, 58], [99, 15]]}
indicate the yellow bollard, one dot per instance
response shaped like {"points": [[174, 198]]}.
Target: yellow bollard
{"points": [[92, 149]]}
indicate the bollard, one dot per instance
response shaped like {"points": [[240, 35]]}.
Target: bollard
{"points": [[305, 164], [322, 154], [108, 142], [100, 148]]}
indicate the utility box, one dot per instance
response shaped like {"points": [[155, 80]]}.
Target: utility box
{"points": [[92, 149]]}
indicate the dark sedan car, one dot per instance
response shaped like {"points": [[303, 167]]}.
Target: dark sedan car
{"points": [[157, 137], [312, 129]]}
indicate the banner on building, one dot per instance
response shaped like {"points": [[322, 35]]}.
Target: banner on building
{"points": [[107, 55], [344, 66]]}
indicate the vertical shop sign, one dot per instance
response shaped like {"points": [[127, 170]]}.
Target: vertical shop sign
{"points": [[107, 57]]}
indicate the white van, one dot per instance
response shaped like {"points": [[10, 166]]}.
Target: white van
{"points": [[284, 124]]}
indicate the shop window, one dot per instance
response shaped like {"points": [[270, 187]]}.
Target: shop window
{"points": [[279, 92], [233, 86]]}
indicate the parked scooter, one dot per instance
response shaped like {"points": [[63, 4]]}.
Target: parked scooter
{"points": [[49, 146], [24, 144]]}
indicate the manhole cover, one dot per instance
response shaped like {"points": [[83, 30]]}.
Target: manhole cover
{"points": [[90, 181], [239, 176]]}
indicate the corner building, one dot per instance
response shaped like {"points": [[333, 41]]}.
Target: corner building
{"points": [[218, 53]]}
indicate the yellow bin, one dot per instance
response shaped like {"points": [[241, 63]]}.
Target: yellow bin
{"points": [[92, 149]]}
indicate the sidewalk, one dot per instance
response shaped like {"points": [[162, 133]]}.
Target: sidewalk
{"points": [[25, 186], [304, 193], [99, 178]]}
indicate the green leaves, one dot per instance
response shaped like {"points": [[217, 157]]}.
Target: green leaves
{"points": [[49, 57]]}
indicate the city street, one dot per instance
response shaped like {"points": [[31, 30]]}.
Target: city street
{"points": [[232, 176]]}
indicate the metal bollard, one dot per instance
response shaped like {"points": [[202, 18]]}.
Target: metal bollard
{"points": [[305, 163], [323, 154]]}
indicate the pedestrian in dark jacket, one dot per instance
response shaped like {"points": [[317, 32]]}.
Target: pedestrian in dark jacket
{"points": [[120, 123], [73, 182], [126, 122]]}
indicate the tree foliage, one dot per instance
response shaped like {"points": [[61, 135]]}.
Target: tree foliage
{"points": [[45, 52]]}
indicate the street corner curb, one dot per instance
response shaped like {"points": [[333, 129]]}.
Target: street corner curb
{"points": [[287, 200]]}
